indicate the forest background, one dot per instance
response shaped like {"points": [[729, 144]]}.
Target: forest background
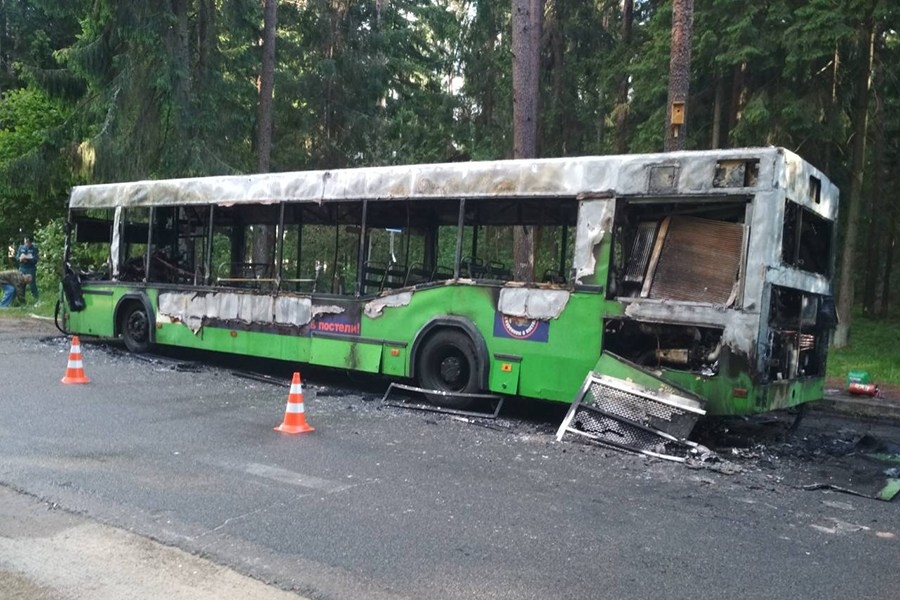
{"points": [[103, 90]]}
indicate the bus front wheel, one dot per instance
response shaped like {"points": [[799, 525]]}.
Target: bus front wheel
{"points": [[448, 363], [135, 327]]}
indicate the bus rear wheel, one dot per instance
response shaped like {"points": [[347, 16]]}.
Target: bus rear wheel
{"points": [[448, 363], [135, 327]]}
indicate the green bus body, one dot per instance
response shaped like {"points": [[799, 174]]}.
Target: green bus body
{"points": [[762, 348]]}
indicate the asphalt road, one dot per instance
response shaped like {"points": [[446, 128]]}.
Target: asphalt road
{"points": [[381, 502]]}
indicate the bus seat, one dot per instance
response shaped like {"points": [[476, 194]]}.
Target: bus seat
{"points": [[472, 267], [553, 276], [373, 277], [497, 270], [395, 276], [442, 273], [417, 273]]}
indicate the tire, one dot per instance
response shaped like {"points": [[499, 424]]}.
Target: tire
{"points": [[135, 328], [448, 362]]}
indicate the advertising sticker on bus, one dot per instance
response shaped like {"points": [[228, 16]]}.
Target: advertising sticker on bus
{"points": [[520, 328], [341, 324]]}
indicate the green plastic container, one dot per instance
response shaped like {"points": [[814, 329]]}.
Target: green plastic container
{"points": [[857, 377]]}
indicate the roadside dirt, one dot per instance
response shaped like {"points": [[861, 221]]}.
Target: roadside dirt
{"points": [[49, 554], [16, 322]]}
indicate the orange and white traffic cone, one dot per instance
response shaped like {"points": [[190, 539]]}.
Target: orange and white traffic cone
{"points": [[75, 369], [294, 415]]}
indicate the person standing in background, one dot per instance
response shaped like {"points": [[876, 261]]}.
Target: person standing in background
{"points": [[27, 258]]}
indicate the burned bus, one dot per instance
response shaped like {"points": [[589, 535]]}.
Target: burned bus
{"points": [[700, 279]]}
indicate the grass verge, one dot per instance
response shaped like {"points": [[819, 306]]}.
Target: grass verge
{"points": [[873, 348]]}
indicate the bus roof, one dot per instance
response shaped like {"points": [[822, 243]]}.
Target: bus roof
{"points": [[688, 172]]}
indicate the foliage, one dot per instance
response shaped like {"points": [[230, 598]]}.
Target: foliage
{"points": [[50, 240], [100, 90], [873, 348], [34, 170]]}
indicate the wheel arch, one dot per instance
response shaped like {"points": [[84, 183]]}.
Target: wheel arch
{"points": [[460, 324], [134, 298]]}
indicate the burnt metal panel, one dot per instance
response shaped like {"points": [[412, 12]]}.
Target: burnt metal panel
{"points": [[532, 303], [636, 174], [374, 308], [595, 219], [698, 261], [194, 309], [662, 179], [640, 252], [625, 415]]}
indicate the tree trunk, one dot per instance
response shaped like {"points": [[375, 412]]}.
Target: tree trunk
{"points": [[679, 74], [888, 267], [860, 129], [179, 45], [526, 19], [738, 98], [874, 250], [526, 38], [264, 235], [266, 88], [205, 41], [834, 110], [716, 141], [622, 100]]}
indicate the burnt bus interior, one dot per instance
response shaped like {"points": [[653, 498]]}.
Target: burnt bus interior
{"points": [[693, 252], [798, 328], [347, 248], [676, 250]]}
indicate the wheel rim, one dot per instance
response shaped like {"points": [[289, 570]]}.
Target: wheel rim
{"points": [[137, 326], [453, 371]]}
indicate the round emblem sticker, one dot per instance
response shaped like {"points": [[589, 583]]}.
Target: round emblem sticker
{"points": [[519, 327]]}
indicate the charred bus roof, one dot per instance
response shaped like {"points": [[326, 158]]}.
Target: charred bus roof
{"points": [[744, 171]]}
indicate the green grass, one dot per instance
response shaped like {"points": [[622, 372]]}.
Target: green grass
{"points": [[23, 312], [874, 347], [44, 308]]}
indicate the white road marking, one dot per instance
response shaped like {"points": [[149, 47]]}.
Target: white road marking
{"points": [[292, 477]]}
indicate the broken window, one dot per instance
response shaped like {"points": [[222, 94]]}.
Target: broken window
{"points": [[89, 249], [799, 323], [690, 252], [806, 239], [242, 252], [736, 173], [133, 244], [487, 249]]}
